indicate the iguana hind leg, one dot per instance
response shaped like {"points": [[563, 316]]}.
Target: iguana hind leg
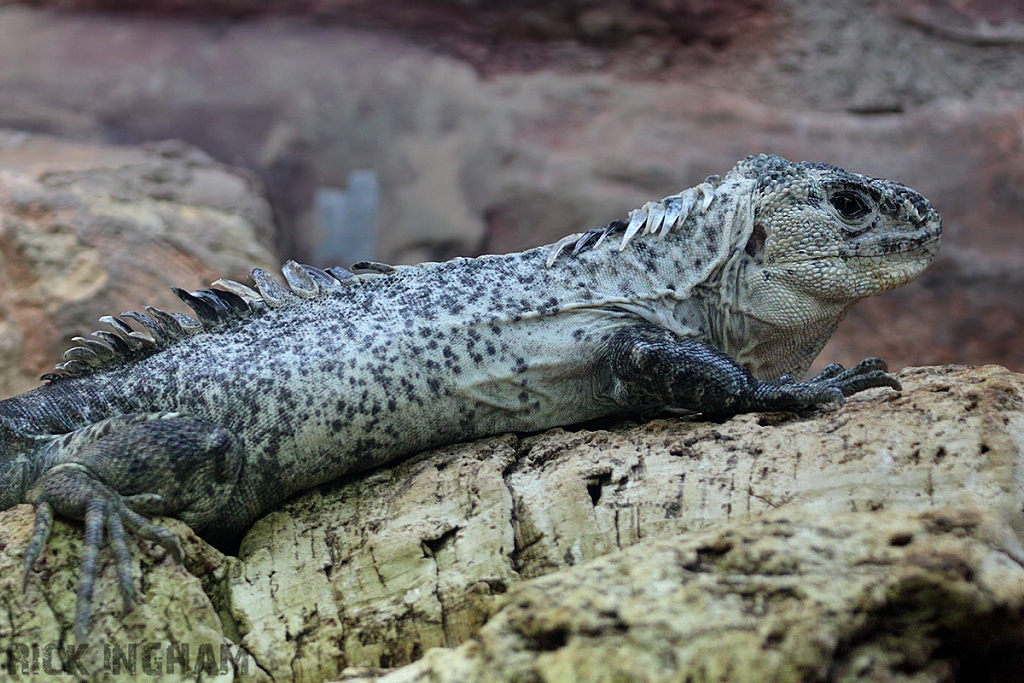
{"points": [[106, 474], [656, 368]]}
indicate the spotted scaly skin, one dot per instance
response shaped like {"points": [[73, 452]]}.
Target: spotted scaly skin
{"points": [[709, 301]]}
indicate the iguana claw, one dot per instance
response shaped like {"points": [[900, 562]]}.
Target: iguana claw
{"points": [[867, 374]]}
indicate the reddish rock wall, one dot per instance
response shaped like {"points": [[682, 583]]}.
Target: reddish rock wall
{"points": [[488, 135]]}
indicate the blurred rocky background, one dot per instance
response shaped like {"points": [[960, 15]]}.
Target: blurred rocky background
{"points": [[423, 129]]}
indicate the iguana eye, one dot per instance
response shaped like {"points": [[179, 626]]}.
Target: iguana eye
{"points": [[850, 205]]}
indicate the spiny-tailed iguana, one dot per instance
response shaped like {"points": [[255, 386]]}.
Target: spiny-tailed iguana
{"points": [[709, 301]]}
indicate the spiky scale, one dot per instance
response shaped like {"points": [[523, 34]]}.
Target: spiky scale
{"points": [[102, 351], [144, 339], [301, 283], [135, 341], [218, 304], [270, 290], [689, 200], [119, 325], [235, 305], [189, 325], [708, 192], [116, 343], [339, 273], [168, 323], [152, 326], [243, 292], [673, 209], [209, 314], [655, 216], [324, 280], [582, 242], [84, 354], [374, 267], [555, 249], [637, 218], [73, 367]]}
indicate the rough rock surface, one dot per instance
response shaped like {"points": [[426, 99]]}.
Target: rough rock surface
{"points": [[91, 230], [798, 596], [914, 499]]}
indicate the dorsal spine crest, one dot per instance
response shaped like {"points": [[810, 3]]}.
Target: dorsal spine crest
{"points": [[224, 303]]}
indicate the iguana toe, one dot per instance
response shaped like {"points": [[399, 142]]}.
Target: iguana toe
{"points": [[40, 534], [828, 372]]}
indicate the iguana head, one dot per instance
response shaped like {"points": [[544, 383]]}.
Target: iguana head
{"points": [[765, 262], [834, 235]]}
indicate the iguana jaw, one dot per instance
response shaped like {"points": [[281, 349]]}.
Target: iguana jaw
{"points": [[846, 279], [857, 269], [878, 270]]}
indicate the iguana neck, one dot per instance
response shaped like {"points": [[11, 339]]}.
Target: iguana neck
{"points": [[668, 280], [769, 325]]}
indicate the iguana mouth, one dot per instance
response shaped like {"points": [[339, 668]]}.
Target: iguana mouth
{"points": [[903, 243]]}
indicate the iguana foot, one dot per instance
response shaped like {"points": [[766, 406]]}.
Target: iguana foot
{"points": [[110, 472], [870, 373], [654, 367], [71, 490], [832, 385]]}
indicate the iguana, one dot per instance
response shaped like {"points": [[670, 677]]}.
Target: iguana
{"points": [[710, 300]]}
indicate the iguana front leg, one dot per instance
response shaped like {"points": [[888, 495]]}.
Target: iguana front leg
{"points": [[656, 368], [109, 472]]}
